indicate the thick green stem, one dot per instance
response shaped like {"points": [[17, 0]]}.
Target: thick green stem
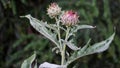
{"points": [[64, 47], [59, 37], [58, 32]]}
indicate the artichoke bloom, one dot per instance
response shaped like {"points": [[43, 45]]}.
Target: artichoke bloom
{"points": [[53, 10], [69, 18]]}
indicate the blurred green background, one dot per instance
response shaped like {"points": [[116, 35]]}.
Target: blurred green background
{"points": [[18, 40]]}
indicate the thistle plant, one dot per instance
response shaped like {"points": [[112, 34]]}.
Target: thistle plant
{"points": [[69, 23]]}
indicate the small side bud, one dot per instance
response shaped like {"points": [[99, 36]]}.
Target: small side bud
{"points": [[53, 10]]}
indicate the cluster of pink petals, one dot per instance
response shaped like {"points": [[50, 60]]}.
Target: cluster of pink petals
{"points": [[69, 18], [53, 10]]}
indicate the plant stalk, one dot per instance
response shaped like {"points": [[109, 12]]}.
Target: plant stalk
{"points": [[64, 47], [58, 32]]}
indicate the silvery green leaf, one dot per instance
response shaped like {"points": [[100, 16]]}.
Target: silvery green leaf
{"points": [[78, 53], [84, 48], [67, 53], [54, 27], [49, 65], [78, 27], [71, 34], [62, 28], [70, 45], [96, 48], [27, 63], [35, 65], [55, 48], [57, 51], [51, 26], [40, 26], [100, 47]]}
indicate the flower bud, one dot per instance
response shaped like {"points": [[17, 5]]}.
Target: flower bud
{"points": [[53, 10], [69, 18]]}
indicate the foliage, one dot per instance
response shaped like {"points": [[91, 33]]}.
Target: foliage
{"points": [[45, 29], [28, 62], [14, 32]]}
